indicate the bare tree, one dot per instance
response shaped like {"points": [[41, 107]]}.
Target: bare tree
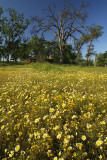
{"points": [[64, 23]]}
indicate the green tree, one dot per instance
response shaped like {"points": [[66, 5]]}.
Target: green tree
{"points": [[24, 49], [52, 50], [69, 55], [64, 23], [102, 59], [94, 32], [12, 31], [37, 48]]}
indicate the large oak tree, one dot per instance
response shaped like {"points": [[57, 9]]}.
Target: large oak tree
{"points": [[64, 23]]}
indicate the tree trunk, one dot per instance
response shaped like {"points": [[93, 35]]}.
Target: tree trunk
{"points": [[8, 53], [87, 60], [15, 60], [61, 57], [95, 63], [61, 50], [7, 57]]}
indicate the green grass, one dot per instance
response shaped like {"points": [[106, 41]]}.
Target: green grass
{"points": [[52, 67], [10, 63]]}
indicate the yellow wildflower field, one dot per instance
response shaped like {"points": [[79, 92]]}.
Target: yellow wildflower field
{"points": [[52, 115]]}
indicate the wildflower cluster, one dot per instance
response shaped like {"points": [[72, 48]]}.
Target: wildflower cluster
{"points": [[52, 116]]}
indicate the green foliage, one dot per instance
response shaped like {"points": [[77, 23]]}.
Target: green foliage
{"points": [[12, 30], [54, 67], [37, 48], [11, 63], [52, 50], [94, 32], [69, 55], [25, 49], [102, 59]]}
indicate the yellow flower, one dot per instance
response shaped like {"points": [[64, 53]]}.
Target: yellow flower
{"points": [[2, 127], [1, 120], [27, 158], [74, 154], [79, 145], [72, 136], [59, 136], [101, 148], [11, 154], [8, 100], [17, 148], [30, 135], [83, 137], [26, 116], [55, 158], [51, 110], [69, 148], [57, 112], [54, 116], [8, 133], [84, 154], [45, 135], [74, 116], [63, 105], [42, 129], [100, 157], [102, 122], [49, 153], [99, 142], [20, 133], [59, 153], [105, 140], [56, 127], [45, 117], [66, 140], [89, 126], [26, 102], [37, 120], [104, 111]]}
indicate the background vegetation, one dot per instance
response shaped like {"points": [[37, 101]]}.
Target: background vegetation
{"points": [[64, 24]]}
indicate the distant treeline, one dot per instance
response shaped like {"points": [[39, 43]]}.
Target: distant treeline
{"points": [[14, 46]]}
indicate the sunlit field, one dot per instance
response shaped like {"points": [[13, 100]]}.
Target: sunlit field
{"points": [[51, 112]]}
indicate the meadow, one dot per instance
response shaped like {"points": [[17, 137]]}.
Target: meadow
{"points": [[53, 112]]}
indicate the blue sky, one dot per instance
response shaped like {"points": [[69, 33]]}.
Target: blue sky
{"points": [[97, 12]]}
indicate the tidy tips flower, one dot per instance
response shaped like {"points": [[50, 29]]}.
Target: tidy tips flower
{"points": [[17, 148], [99, 142], [83, 137]]}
